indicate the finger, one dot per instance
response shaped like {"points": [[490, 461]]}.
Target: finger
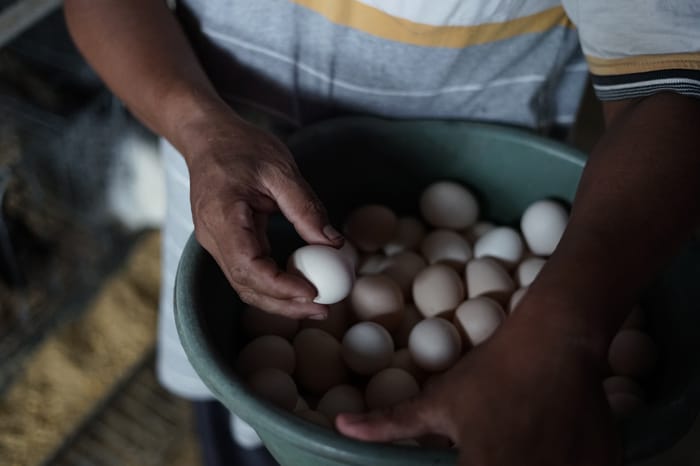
{"points": [[245, 261], [292, 308], [301, 206], [402, 421]]}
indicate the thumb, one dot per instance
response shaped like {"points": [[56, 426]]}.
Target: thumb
{"points": [[304, 209], [402, 421]]}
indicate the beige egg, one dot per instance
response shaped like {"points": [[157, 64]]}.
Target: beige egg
{"points": [[446, 247], [543, 224], [266, 351], [446, 204], [632, 353], [370, 227], [257, 322], [326, 268], [636, 319], [302, 404], [371, 264], [341, 399], [367, 348], [486, 277], [378, 298], [435, 344], [403, 360], [276, 386], [403, 267], [437, 290], [338, 321], [315, 417], [528, 270], [478, 230], [390, 387], [409, 233], [319, 362], [411, 317], [477, 319], [515, 298], [503, 244]]}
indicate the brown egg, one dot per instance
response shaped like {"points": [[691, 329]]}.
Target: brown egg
{"points": [[437, 290], [320, 363], [446, 204], [378, 298], [409, 233], [370, 227], [257, 322], [403, 360], [632, 354], [338, 320], [266, 351], [403, 268], [411, 317], [389, 387], [341, 399], [486, 277], [276, 386]]}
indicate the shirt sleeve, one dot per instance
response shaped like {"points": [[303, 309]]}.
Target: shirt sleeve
{"points": [[638, 48]]}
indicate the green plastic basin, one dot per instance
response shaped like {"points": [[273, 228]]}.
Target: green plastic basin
{"points": [[351, 161]]}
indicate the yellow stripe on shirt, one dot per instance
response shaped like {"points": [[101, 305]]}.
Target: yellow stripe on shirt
{"points": [[643, 63], [357, 15]]}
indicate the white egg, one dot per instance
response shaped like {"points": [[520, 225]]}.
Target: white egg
{"points": [[319, 362], [379, 299], [370, 227], [435, 344], [515, 298], [367, 348], [411, 316], [327, 269], [543, 224], [276, 386], [409, 233], [403, 267], [478, 319], [390, 387], [337, 322], [446, 204], [437, 290], [632, 353], [502, 243], [486, 277], [528, 270], [257, 322], [478, 230], [266, 351], [341, 399], [447, 247]]}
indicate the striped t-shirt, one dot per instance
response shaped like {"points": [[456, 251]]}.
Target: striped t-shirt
{"points": [[510, 61]]}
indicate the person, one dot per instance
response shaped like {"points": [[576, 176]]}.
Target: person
{"points": [[532, 394]]}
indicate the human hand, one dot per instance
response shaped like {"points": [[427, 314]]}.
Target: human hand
{"points": [[529, 396], [239, 175]]}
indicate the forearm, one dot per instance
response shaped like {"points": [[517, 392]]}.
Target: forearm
{"points": [[638, 200], [140, 51]]}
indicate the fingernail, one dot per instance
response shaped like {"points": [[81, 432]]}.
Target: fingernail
{"points": [[331, 233], [318, 317], [301, 299]]}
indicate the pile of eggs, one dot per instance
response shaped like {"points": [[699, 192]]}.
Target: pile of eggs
{"points": [[408, 297]]}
